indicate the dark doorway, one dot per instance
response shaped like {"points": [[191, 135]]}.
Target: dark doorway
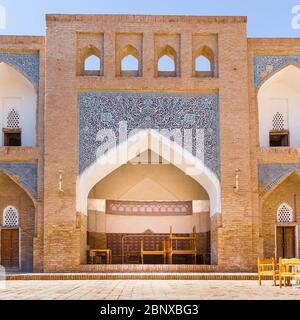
{"points": [[10, 248], [286, 242]]}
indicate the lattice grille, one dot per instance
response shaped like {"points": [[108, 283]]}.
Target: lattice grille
{"points": [[278, 121], [10, 217], [284, 213], [13, 119]]}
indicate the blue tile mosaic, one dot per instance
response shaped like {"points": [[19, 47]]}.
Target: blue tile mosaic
{"points": [[106, 117], [266, 65], [146, 110], [27, 172], [26, 63], [269, 174]]}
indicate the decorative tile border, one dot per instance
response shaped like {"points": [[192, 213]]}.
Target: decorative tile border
{"points": [[27, 173], [26, 63], [142, 110], [269, 174], [149, 208], [266, 65]]}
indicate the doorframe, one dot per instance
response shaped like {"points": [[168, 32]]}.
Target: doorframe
{"points": [[288, 224], [20, 248]]}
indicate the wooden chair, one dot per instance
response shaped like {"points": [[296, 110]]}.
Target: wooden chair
{"points": [[192, 245], [288, 269], [266, 267], [158, 252], [98, 249], [132, 256]]}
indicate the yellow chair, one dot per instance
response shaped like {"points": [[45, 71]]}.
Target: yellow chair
{"points": [[288, 269], [191, 250], [158, 252], [266, 267]]}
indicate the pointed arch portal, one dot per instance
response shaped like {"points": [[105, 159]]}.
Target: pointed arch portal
{"points": [[278, 107], [138, 143]]}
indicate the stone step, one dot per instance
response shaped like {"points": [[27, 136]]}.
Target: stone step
{"points": [[132, 276]]}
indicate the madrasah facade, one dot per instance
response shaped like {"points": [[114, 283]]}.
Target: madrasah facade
{"points": [[96, 155]]}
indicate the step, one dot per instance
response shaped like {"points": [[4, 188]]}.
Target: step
{"points": [[132, 276]]}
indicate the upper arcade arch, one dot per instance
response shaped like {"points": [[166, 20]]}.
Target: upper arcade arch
{"points": [[278, 108]]}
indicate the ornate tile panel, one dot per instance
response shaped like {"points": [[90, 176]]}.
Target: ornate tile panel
{"points": [[142, 110], [266, 65], [269, 174], [27, 173], [149, 208], [26, 63]]}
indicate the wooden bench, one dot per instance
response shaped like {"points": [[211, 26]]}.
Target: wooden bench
{"points": [[156, 252], [288, 269], [191, 241], [266, 267]]}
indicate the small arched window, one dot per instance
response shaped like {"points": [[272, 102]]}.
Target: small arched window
{"points": [[10, 217], [204, 62], [12, 131], [92, 63], [279, 135], [285, 213], [13, 119], [129, 63], [166, 63]]}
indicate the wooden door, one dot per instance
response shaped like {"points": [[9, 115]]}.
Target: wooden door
{"points": [[279, 237], [286, 242], [10, 248], [289, 242]]}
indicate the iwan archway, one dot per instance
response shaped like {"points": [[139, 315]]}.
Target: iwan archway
{"points": [[278, 108], [147, 198]]}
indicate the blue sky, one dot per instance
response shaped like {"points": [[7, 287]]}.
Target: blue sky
{"points": [[266, 18]]}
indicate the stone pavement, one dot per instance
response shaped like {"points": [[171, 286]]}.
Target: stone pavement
{"points": [[149, 290]]}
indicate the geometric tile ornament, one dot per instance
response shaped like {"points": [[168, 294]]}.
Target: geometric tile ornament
{"points": [[270, 173], [266, 65], [147, 110], [27, 173], [27, 64]]}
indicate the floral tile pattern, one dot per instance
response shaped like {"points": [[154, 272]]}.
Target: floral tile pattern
{"points": [[270, 173], [27, 173], [26, 63], [143, 110], [266, 65]]}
